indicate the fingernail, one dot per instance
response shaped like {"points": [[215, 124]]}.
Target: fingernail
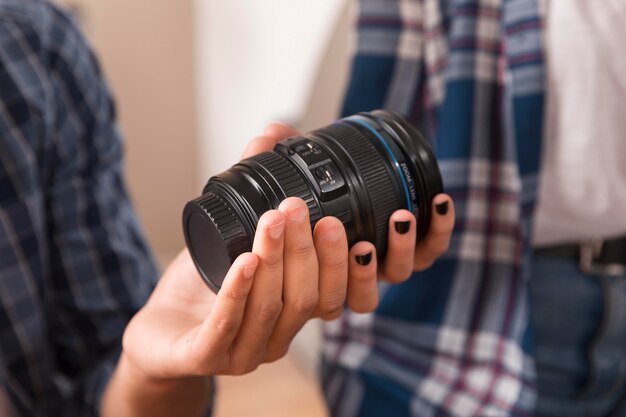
{"points": [[402, 227], [296, 214], [364, 259], [248, 271], [442, 208], [276, 230]]}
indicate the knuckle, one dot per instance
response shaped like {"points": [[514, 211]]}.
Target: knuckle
{"points": [[206, 370], [226, 326], [251, 367], [336, 265], [197, 363], [234, 296], [332, 304], [276, 353], [423, 264], [302, 249], [269, 311], [332, 314], [206, 367], [242, 363], [243, 368], [273, 262], [366, 306], [306, 303]]}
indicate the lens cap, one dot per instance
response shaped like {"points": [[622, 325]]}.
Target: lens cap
{"points": [[214, 236]]}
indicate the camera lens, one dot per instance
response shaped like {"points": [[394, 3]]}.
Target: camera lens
{"points": [[359, 169]]}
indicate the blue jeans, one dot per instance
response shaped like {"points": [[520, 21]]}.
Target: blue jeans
{"points": [[580, 340]]}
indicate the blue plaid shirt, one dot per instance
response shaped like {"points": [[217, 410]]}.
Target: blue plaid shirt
{"points": [[74, 267], [455, 340]]}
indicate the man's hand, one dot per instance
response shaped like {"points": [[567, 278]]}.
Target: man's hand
{"points": [[185, 332], [266, 297]]}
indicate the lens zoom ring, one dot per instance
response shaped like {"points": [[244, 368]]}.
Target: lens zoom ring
{"points": [[291, 181], [227, 222], [376, 178]]}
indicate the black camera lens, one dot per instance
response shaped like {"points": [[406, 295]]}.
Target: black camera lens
{"points": [[359, 169]]}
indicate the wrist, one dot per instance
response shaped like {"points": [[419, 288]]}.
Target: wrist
{"points": [[132, 392], [128, 371]]}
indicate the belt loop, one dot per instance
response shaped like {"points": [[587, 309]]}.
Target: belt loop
{"points": [[590, 250]]}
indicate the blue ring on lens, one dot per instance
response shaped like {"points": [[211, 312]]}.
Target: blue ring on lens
{"points": [[382, 140]]}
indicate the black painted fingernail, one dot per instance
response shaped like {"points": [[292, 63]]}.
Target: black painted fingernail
{"points": [[402, 227], [442, 208], [364, 259]]}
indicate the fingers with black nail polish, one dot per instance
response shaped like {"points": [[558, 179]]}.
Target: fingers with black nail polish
{"points": [[398, 263], [442, 208], [437, 240], [403, 227], [364, 260], [362, 282]]}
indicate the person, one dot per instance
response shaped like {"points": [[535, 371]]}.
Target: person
{"points": [[74, 266], [506, 322]]}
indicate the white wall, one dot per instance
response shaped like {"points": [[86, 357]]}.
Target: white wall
{"points": [[258, 62]]}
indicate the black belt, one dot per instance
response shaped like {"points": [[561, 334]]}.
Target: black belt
{"points": [[596, 256]]}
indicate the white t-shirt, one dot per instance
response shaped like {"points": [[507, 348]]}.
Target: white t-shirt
{"points": [[582, 191]]}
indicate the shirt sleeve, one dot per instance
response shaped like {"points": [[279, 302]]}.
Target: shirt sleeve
{"points": [[101, 269], [74, 264], [94, 270]]}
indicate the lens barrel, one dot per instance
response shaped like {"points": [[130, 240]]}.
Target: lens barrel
{"points": [[359, 169]]}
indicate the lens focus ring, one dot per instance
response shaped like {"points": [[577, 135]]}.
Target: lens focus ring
{"points": [[291, 181], [377, 181]]}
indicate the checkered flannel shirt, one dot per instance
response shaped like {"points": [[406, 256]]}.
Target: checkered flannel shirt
{"points": [[455, 340], [73, 264]]}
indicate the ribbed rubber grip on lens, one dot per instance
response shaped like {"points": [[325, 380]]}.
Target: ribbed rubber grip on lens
{"points": [[378, 182], [227, 223], [290, 181]]}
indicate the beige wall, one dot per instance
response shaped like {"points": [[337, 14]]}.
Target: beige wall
{"points": [[146, 48]]}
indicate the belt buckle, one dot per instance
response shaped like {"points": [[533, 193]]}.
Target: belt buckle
{"points": [[590, 251]]}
